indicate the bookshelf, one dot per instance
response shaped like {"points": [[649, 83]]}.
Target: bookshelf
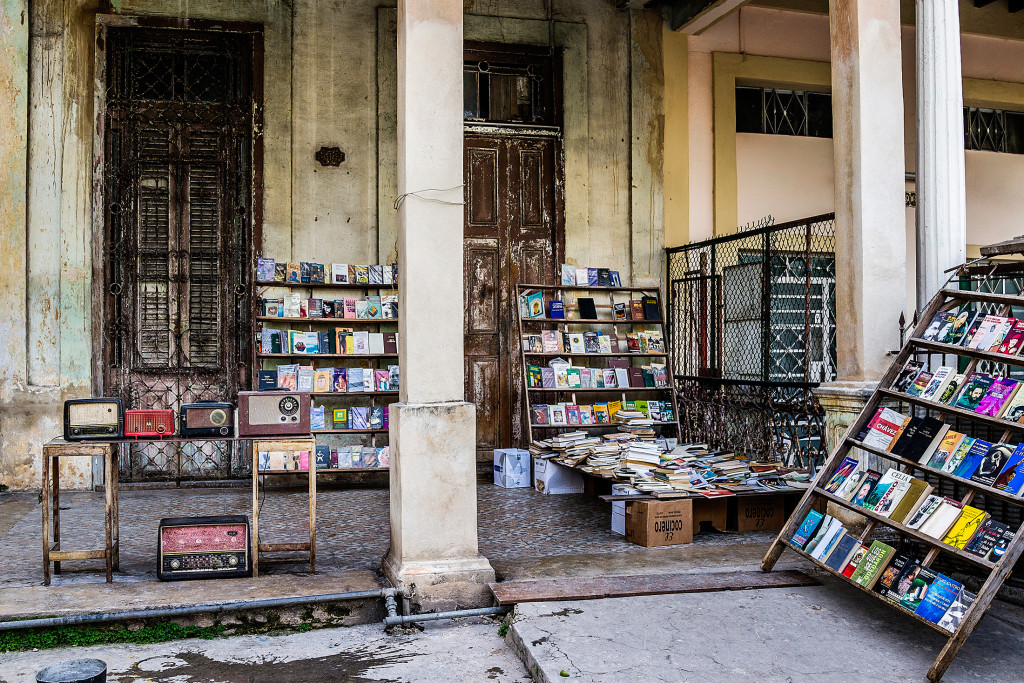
{"points": [[996, 572], [617, 328], [330, 400]]}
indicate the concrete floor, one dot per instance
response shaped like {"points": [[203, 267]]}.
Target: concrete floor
{"points": [[467, 650]]}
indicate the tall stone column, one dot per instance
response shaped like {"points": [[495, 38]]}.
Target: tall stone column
{"points": [[867, 113], [941, 193], [433, 429]]}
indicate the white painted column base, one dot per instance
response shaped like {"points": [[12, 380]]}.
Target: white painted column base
{"points": [[434, 550]]}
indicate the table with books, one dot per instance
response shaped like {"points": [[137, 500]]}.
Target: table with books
{"points": [[933, 472]]}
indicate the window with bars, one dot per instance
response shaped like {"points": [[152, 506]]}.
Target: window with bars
{"points": [[993, 130], [776, 111], [508, 84]]}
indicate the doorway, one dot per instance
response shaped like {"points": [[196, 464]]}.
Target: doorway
{"points": [[514, 231], [179, 173]]}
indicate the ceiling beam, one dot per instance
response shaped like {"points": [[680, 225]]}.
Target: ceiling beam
{"points": [[695, 16], [982, 3]]}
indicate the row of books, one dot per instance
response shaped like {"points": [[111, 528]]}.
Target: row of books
{"points": [[353, 417], [579, 276], [979, 392], [326, 458], [340, 340], [306, 378], [977, 330], [593, 341], [568, 414], [896, 575], [932, 443], [532, 306], [560, 374], [270, 271], [909, 501], [293, 305]]}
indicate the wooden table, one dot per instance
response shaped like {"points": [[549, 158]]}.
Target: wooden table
{"points": [[308, 547], [52, 552]]}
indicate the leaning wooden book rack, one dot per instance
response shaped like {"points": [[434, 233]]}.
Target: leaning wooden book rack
{"points": [[1000, 304]]}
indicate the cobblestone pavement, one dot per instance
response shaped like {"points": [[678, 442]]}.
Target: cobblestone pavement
{"points": [[352, 526]]}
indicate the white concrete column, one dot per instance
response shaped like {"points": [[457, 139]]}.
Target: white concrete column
{"points": [[433, 429], [867, 112], [941, 193]]}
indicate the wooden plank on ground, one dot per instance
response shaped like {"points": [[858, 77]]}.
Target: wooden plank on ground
{"points": [[574, 588]]}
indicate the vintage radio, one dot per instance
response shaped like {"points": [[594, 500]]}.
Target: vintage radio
{"points": [[93, 418], [208, 418], [149, 423], [272, 413], [203, 548]]}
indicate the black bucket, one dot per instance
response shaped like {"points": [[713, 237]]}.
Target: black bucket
{"points": [[74, 671]]}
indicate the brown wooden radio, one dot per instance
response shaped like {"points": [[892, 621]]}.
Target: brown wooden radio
{"points": [[273, 413]]}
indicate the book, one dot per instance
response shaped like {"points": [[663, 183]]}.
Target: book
{"points": [[940, 456], [317, 421], [636, 308], [904, 434], [858, 555], [998, 394], [990, 540], [376, 418], [304, 271], [287, 376], [807, 529], [587, 308], [939, 326], [960, 327], [845, 469], [1011, 478], [590, 342], [604, 277], [842, 553], [323, 380], [880, 489], [568, 274], [973, 459], [883, 428], [957, 610], [929, 435], [340, 418], [601, 413], [621, 311], [339, 273], [828, 543], [871, 478], [851, 486], [938, 598], [921, 383], [280, 272], [592, 280], [265, 269], [582, 277], [556, 414], [316, 273], [534, 305], [576, 344], [888, 502], [1013, 342], [942, 519], [539, 414], [916, 494], [893, 583], [951, 389], [267, 380], [293, 273], [966, 525], [992, 463], [359, 417], [907, 375], [958, 455], [942, 377], [650, 306], [919, 579], [1013, 410], [872, 565], [924, 511], [819, 534], [556, 309], [304, 380], [985, 335]]}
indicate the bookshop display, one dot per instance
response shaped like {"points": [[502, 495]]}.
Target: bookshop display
{"points": [[922, 446], [317, 342]]}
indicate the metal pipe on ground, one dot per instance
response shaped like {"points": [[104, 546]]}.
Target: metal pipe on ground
{"points": [[189, 610], [390, 620]]}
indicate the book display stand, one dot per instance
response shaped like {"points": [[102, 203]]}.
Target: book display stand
{"points": [[375, 436], [997, 571], [257, 506], [569, 296]]}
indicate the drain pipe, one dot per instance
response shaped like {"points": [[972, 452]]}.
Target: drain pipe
{"points": [[189, 610], [394, 620]]}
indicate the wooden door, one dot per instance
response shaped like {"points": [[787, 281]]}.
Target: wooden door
{"points": [[512, 236]]}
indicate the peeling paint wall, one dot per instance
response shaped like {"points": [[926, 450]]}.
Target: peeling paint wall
{"points": [[329, 81]]}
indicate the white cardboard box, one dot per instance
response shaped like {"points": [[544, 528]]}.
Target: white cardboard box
{"points": [[550, 477], [619, 517], [512, 468]]}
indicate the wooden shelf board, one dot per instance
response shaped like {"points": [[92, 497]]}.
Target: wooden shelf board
{"points": [[952, 410], [987, 490], [602, 424], [596, 355], [580, 288], [341, 322], [327, 355], [598, 321], [609, 390], [350, 431], [326, 470], [933, 626], [968, 295], [351, 394], [321, 285], [938, 347], [913, 533], [179, 439]]}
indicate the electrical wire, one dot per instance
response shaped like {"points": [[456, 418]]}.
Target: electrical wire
{"points": [[418, 195]]}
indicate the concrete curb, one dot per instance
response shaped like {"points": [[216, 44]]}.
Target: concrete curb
{"points": [[517, 637]]}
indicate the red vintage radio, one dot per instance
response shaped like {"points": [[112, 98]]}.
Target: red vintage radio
{"points": [[149, 423], [203, 548]]}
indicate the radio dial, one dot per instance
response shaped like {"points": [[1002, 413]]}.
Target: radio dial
{"points": [[233, 560], [175, 564], [76, 430], [288, 405], [224, 431], [160, 429]]}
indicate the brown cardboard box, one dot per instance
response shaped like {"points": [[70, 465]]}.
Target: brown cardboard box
{"points": [[652, 523], [714, 510], [757, 513]]}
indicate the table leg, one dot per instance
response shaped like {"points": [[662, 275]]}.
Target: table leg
{"points": [[255, 521], [46, 518], [114, 483], [312, 517], [108, 516], [55, 487]]}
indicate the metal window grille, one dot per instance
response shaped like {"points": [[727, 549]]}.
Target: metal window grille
{"points": [[752, 327], [777, 111]]}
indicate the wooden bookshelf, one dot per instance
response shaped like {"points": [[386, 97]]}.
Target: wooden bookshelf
{"points": [[323, 285], [338, 322], [327, 355], [996, 572], [532, 394]]}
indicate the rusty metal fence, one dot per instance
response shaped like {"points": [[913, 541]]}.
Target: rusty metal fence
{"points": [[752, 329]]}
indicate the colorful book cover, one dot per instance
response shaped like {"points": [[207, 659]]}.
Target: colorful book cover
{"points": [[959, 454], [340, 418], [957, 610], [960, 328], [938, 383], [866, 486], [883, 428], [265, 269], [940, 326], [985, 335], [852, 484], [892, 583], [843, 551], [568, 274], [920, 578], [340, 381], [535, 305], [1013, 342], [946, 448], [907, 375], [972, 460], [965, 527], [938, 598], [974, 390], [887, 504], [359, 417], [990, 541], [600, 413], [921, 383], [998, 394], [1011, 478], [992, 463], [872, 565], [852, 565], [929, 506]]}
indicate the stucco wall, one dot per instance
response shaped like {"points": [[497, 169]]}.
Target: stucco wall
{"points": [[328, 81]]}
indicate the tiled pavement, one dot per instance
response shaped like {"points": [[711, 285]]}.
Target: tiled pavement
{"points": [[352, 527]]}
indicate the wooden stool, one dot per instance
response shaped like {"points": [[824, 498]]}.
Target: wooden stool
{"points": [[52, 452]]}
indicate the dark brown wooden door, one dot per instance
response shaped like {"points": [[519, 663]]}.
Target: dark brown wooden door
{"points": [[511, 236]]}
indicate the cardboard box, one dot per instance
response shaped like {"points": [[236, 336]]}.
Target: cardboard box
{"points": [[512, 468], [715, 511], [757, 513], [550, 477], [653, 523], [619, 517]]}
